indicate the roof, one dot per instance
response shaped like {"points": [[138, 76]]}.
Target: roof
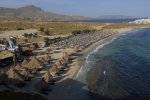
{"points": [[64, 59], [25, 62], [6, 54], [13, 74], [42, 59], [18, 67], [47, 77], [47, 58], [59, 65], [54, 71], [26, 73], [65, 54], [34, 63]]}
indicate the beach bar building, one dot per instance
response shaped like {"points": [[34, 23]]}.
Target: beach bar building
{"points": [[6, 56]]}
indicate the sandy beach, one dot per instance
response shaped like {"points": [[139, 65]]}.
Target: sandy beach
{"points": [[68, 50], [60, 91], [67, 82]]}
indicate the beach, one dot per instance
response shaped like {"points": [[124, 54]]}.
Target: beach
{"points": [[68, 50], [71, 77], [120, 70]]}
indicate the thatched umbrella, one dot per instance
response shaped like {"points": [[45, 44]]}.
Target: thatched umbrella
{"points": [[47, 58], [65, 54], [13, 74], [48, 78], [18, 67], [35, 64], [6, 54], [14, 77], [65, 59], [26, 73], [59, 64], [54, 71], [42, 60], [23, 71], [25, 62]]}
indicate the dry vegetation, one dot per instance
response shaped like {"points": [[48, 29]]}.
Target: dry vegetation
{"points": [[126, 25], [53, 27], [4, 26], [63, 27]]}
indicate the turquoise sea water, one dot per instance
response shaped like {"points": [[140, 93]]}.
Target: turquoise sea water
{"points": [[121, 69]]}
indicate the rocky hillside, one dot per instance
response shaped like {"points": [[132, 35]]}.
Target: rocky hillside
{"points": [[33, 13]]}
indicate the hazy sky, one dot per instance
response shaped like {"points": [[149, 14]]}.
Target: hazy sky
{"points": [[91, 8]]}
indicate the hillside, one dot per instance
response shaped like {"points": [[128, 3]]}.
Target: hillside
{"points": [[33, 13]]}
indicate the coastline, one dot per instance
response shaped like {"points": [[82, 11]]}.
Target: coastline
{"points": [[81, 59], [65, 83]]}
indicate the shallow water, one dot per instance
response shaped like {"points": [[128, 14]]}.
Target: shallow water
{"points": [[122, 69], [116, 70]]}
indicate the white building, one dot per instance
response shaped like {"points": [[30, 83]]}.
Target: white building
{"points": [[142, 21]]}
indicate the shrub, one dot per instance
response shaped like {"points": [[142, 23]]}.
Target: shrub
{"points": [[19, 28], [42, 29], [46, 32], [28, 35], [25, 35], [76, 32]]}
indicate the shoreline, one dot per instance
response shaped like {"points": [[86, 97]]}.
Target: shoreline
{"points": [[61, 89], [81, 59]]}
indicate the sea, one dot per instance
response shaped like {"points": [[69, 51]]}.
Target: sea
{"points": [[119, 69], [103, 20]]}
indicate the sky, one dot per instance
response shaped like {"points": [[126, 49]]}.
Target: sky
{"points": [[88, 8]]}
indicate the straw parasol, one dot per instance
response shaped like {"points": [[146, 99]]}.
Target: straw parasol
{"points": [[48, 78], [6, 54], [65, 59], [23, 71], [26, 73], [18, 67], [64, 62], [35, 64], [25, 62], [14, 77], [47, 58], [42, 60], [65, 54], [13, 74], [54, 71], [59, 65]]}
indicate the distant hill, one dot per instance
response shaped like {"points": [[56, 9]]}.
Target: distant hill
{"points": [[33, 13], [115, 17]]}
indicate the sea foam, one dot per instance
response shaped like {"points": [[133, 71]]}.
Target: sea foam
{"points": [[85, 68]]}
